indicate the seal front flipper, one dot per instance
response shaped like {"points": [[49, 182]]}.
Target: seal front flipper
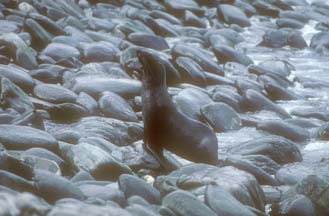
{"points": [[163, 161]]}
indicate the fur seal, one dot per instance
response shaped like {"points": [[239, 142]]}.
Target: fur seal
{"points": [[166, 127]]}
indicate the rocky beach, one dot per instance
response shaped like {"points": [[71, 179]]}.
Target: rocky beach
{"points": [[256, 72]]}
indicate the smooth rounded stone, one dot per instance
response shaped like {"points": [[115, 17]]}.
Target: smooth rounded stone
{"points": [[17, 204], [295, 39], [132, 185], [281, 38], [78, 34], [114, 106], [47, 23], [82, 176], [177, 8], [304, 122], [221, 117], [253, 101], [311, 113], [190, 71], [18, 76], [47, 75], [7, 116], [247, 8], [115, 131], [108, 69], [230, 35], [199, 56], [54, 93], [164, 15], [273, 194], [40, 37], [44, 153], [245, 84], [136, 158], [100, 142], [315, 189], [266, 8], [102, 36], [314, 163], [223, 203], [227, 54], [289, 23], [319, 42], [140, 210], [164, 211], [298, 205], [102, 192], [148, 41], [68, 136], [87, 102], [195, 40], [214, 79], [42, 164], [66, 112], [274, 39], [70, 8], [227, 99], [15, 165], [32, 118], [276, 92], [68, 40], [194, 177], [232, 15], [131, 26], [52, 187], [277, 148], [58, 51], [273, 69], [190, 100], [262, 177], [13, 97], [219, 40], [19, 50], [72, 21], [7, 26], [15, 182], [96, 85], [100, 24], [185, 204], [137, 200], [191, 19], [76, 208], [282, 128], [15, 137], [280, 67], [94, 160], [295, 15], [276, 80], [263, 162], [99, 52]]}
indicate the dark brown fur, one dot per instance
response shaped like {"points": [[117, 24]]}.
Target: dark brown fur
{"points": [[164, 126]]}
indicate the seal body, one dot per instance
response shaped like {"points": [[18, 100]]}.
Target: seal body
{"points": [[166, 127]]}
